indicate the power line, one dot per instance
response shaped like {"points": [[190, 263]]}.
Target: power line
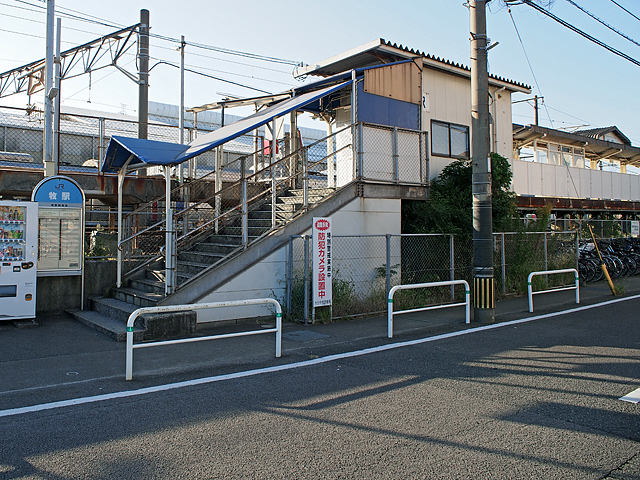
{"points": [[20, 33], [223, 71], [626, 10], [603, 22], [580, 32], [225, 60], [227, 51], [529, 63], [211, 76]]}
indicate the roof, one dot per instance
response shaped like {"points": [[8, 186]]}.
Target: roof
{"points": [[380, 51], [594, 148], [140, 152], [601, 132]]}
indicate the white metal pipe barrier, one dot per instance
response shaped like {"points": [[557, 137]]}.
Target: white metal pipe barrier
{"points": [[531, 293], [201, 306], [466, 303]]}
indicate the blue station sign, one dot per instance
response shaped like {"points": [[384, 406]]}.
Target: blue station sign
{"points": [[58, 191]]}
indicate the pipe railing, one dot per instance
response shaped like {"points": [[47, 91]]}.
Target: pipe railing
{"points": [[200, 306], [575, 287], [391, 313]]}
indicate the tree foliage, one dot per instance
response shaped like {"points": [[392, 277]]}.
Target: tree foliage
{"points": [[449, 207]]}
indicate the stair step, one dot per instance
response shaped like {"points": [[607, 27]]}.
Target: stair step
{"points": [[114, 308], [215, 247], [136, 297], [199, 257], [155, 275], [190, 267], [147, 285], [106, 325]]}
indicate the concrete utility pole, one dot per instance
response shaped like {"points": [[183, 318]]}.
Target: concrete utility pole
{"points": [[143, 78], [483, 280], [49, 93], [56, 106]]}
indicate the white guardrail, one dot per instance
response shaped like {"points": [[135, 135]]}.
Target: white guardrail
{"points": [[531, 293], [391, 313], [201, 306]]}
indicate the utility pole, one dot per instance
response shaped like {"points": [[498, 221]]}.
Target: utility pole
{"points": [[536, 108], [49, 94], [143, 75], [181, 113], [483, 280], [56, 106]]}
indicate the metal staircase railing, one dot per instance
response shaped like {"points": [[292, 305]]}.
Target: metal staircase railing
{"points": [[271, 176]]}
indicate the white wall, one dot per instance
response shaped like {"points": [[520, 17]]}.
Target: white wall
{"points": [[447, 98], [362, 216], [549, 180]]}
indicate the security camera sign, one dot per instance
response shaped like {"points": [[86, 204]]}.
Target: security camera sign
{"points": [[321, 232]]}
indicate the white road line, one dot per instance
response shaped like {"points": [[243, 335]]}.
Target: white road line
{"points": [[633, 397], [291, 366]]}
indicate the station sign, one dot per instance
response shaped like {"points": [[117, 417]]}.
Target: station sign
{"points": [[60, 226]]}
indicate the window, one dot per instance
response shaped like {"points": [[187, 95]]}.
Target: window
{"points": [[449, 140]]}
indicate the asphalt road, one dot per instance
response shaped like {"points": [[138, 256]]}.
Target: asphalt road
{"points": [[528, 400]]}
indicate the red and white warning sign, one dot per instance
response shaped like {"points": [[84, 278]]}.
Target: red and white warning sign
{"points": [[321, 232]]}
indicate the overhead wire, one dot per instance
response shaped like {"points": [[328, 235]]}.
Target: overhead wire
{"points": [[634, 16], [535, 79], [227, 51], [603, 22], [580, 32]]}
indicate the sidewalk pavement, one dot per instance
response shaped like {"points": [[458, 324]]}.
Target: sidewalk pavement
{"points": [[61, 351]]}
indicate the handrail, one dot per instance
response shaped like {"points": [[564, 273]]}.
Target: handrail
{"points": [[531, 293], [200, 306], [391, 313]]}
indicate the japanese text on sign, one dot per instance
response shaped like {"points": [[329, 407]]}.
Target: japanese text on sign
{"points": [[321, 231]]}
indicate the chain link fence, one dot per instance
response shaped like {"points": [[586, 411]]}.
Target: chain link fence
{"points": [[84, 139], [366, 267]]}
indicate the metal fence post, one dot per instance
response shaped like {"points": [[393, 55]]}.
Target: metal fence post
{"points": [[290, 275], [546, 260], [306, 278], [245, 207], [305, 180], [504, 267], [388, 273], [577, 248], [359, 167], [452, 273], [100, 144], [394, 147]]}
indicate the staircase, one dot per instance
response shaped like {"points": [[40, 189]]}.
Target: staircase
{"points": [[147, 287]]}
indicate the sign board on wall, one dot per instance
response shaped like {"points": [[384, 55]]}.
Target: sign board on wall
{"points": [[60, 226], [635, 228], [321, 233]]}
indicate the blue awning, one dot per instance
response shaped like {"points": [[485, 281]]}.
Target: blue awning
{"points": [[152, 152], [149, 152]]}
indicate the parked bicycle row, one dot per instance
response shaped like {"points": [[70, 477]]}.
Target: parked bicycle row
{"points": [[621, 256]]}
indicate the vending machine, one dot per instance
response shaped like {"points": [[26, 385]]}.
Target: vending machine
{"points": [[18, 259]]}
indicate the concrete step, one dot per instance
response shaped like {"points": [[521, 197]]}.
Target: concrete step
{"points": [[108, 326], [138, 298], [198, 257], [147, 285], [110, 317], [215, 246], [192, 268], [112, 307]]}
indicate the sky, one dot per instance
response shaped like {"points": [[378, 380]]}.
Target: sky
{"points": [[583, 84]]}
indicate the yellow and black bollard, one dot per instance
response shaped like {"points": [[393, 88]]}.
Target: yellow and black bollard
{"points": [[483, 292]]}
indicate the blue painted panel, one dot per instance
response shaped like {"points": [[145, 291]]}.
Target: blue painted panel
{"points": [[59, 190], [387, 111]]}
